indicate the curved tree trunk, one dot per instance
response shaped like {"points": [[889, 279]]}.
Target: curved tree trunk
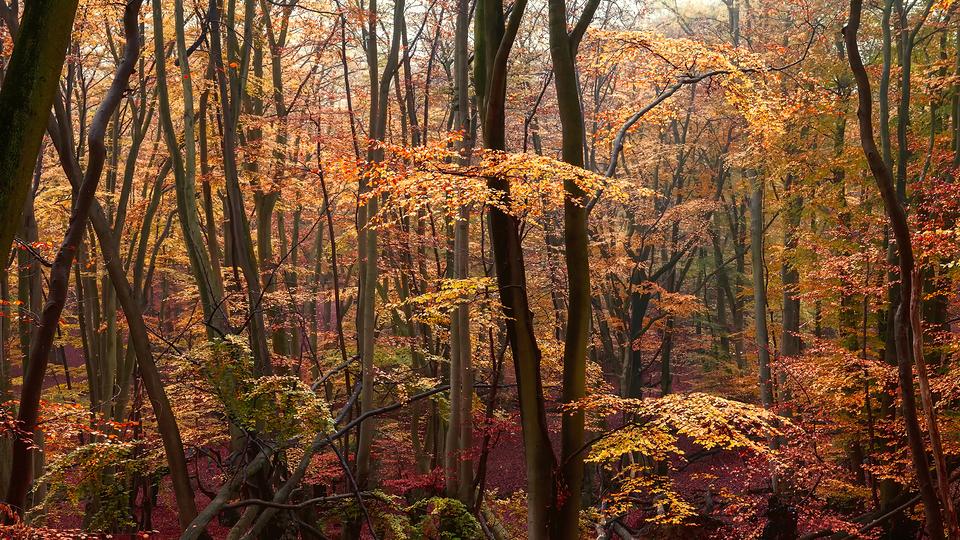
{"points": [[494, 37], [60, 272], [209, 282], [898, 223]]}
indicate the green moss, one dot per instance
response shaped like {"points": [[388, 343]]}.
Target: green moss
{"points": [[443, 519]]}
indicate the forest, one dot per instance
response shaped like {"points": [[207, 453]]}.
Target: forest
{"points": [[480, 269]]}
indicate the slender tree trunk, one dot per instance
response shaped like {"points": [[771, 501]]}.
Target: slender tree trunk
{"points": [[369, 272], [459, 466], [6, 447], [231, 90], [563, 51], [790, 279], [494, 37], [955, 108], [901, 231], [209, 282], [210, 221], [760, 293]]}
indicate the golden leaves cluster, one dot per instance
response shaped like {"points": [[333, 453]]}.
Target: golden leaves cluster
{"points": [[436, 178], [653, 429]]}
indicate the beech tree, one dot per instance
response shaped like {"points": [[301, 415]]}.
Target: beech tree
{"points": [[29, 83]]}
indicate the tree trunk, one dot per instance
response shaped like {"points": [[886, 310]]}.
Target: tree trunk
{"points": [[563, 51], [790, 279], [760, 293], [898, 223], [209, 282], [30, 83], [458, 465], [231, 90], [493, 41], [369, 272], [60, 271]]}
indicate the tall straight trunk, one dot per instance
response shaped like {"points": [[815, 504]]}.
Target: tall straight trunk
{"points": [[210, 221], [889, 491], [282, 343], [955, 107], [790, 279], [29, 86], [30, 294], [459, 337], [369, 272], [87, 300], [576, 243], [209, 282], [760, 293], [494, 37], [666, 356], [292, 345], [738, 232], [464, 345], [110, 361], [265, 199], [408, 101], [42, 343], [6, 395], [905, 58], [231, 89], [459, 441], [883, 90], [898, 224], [724, 296]]}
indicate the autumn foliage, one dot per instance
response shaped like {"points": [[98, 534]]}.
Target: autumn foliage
{"points": [[318, 268]]}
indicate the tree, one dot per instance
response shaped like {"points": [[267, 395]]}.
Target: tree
{"points": [[905, 321], [60, 271], [563, 50], [29, 84]]}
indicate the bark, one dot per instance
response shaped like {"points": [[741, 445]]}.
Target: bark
{"points": [[458, 465], [29, 86], [955, 107], [790, 344], [277, 41], [494, 38], [369, 274], [209, 282], [898, 224], [563, 51], [210, 221], [30, 294], [231, 90], [6, 447], [760, 294], [790, 277], [41, 345], [926, 398]]}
